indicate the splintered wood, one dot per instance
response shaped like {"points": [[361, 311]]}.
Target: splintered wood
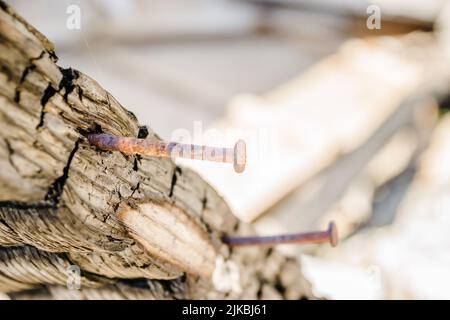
{"points": [[300, 128]]}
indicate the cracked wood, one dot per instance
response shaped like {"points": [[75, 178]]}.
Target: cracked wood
{"points": [[61, 198]]}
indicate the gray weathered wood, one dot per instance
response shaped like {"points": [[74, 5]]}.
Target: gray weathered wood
{"points": [[59, 196]]}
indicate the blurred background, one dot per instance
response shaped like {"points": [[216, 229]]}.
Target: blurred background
{"points": [[343, 105]]}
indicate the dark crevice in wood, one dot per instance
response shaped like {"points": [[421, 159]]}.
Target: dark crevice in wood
{"points": [[279, 286], [96, 128], [179, 286], [40, 205], [53, 196], [260, 290], [112, 239], [4, 223], [444, 104], [27, 70], [177, 172], [10, 153], [137, 159], [6, 70], [30, 67], [80, 93], [3, 5], [54, 193], [134, 190], [174, 288], [17, 95], [140, 283], [69, 76], [143, 132], [204, 203], [41, 291]]}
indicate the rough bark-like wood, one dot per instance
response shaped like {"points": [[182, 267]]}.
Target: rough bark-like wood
{"points": [[59, 196]]}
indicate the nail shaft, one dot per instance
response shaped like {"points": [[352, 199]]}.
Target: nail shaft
{"points": [[127, 145], [330, 235]]}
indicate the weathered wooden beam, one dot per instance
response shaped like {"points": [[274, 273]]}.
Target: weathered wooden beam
{"points": [[347, 106], [61, 197]]}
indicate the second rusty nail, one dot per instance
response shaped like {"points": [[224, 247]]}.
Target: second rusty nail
{"points": [[330, 235], [236, 155]]}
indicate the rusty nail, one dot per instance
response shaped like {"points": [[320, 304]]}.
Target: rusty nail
{"points": [[330, 235], [236, 156]]}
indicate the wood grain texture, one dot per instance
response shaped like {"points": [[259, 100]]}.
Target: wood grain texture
{"points": [[350, 103], [59, 196]]}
